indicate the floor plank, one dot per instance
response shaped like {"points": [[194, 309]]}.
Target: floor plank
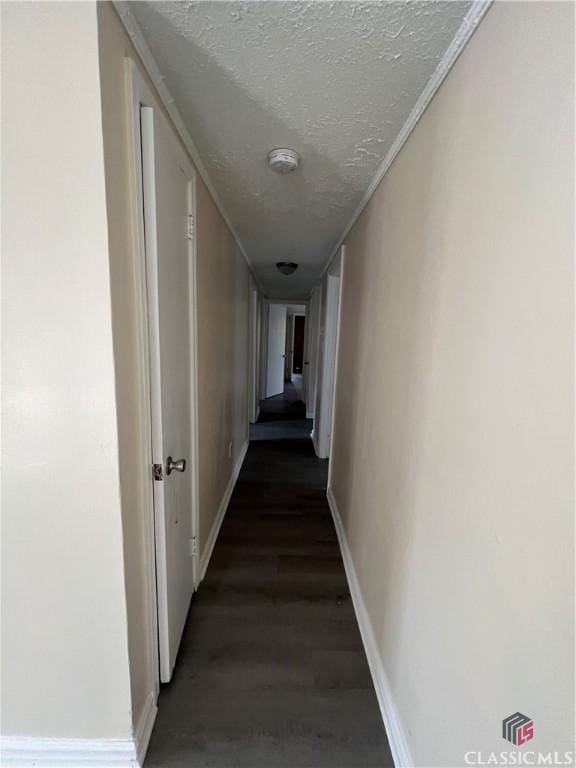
{"points": [[271, 672]]}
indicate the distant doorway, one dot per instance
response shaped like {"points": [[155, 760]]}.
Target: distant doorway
{"points": [[298, 344]]}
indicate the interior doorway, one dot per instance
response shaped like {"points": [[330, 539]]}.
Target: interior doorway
{"points": [[298, 344], [283, 327], [276, 350]]}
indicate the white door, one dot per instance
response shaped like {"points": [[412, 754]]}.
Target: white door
{"points": [[276, 349], [168, 215]]}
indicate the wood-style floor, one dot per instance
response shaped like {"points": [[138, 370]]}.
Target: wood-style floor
{"points": [[271, 671]]}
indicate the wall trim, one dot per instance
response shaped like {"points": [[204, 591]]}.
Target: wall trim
{"points": [[465, 31], [216, 525], [37, 752], [394, 729], [315, 442], [30, 751], [144, 726], [139, 42]]}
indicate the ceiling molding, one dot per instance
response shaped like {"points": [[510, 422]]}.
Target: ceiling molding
{"points": [[462, 36], [135, 34]]}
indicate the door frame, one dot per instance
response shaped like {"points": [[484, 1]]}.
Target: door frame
{"points": [[140, 94], [254, 353], [267, 371], [264, 335], [289, 346], [329, 338], [312, 350], [304, 343]]}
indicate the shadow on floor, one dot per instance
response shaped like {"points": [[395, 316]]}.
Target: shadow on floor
{"points": [[282, 417], [271, 672]]}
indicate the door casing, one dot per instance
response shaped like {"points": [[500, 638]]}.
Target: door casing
{"points": [[328, 359], [263, 335], [141, 95]]}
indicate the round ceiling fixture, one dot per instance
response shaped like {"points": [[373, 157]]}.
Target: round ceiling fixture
{"points": [[286, 267], [283, 160]]}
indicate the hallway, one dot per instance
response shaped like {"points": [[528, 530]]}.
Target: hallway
{"points": [[284, 416], [271, 671]]}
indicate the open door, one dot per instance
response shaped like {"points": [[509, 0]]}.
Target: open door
{"points": [[276, 349], [168, 192]]}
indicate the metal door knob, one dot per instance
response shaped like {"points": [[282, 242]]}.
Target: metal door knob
{"points": [[175, 466]]}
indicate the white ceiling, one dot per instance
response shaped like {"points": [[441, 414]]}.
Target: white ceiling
{"points": [[334, 80]]}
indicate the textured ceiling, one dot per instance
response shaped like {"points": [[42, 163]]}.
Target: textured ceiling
{"points": [[333, 80]]}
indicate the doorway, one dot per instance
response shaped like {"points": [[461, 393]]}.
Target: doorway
{"points": [[276, 350], [298, 344]]}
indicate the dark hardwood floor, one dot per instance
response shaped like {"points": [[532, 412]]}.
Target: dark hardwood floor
{"points": [[283, 417], [271, 671]]}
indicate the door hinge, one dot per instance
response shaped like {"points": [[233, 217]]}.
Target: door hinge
{"points": [[157, 472], [193, 548], [190, 232]]}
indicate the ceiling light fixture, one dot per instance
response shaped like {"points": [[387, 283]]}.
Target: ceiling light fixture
{"points": [[283, 160], [286, 267]]}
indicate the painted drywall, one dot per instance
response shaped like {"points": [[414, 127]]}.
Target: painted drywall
{"points": [[223, 304], [64, 634], [453, 444], [335, 81], [222, 316]]}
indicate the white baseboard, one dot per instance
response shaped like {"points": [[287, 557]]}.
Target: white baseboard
{"points": [[215, 530], [32, 752], [143, 729], [315, 443], [394, 730]]}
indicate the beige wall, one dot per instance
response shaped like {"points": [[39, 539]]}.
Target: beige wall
{"points": [[223, 294], [453, 445], [64, 642]]}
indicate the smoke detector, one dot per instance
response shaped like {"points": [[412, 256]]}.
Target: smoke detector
{"points": [[286, 267], [283, 160]]}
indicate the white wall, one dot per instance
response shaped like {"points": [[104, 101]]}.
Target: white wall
{"points": [[64, 635], [452, 459]]}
